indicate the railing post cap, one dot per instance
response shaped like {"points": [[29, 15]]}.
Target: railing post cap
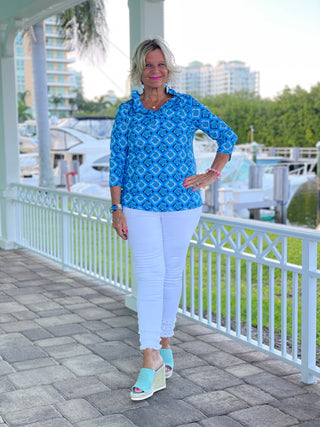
{"points": [[318, 144]]}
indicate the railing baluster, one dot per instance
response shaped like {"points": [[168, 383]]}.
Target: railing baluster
{"points": [[126, 265], [209, 288], [238, 289], [110, 254], [115, 257], [271, 308], [249, 300], [94, 251], [90, 235], [295, 317], [120, 262], [105, 252], [260, 292], [260, 305], [200, 285], [82, 251], [192, 308], [284, 300], [218, 289], [99, 227], [309, 311], [228, 295]]}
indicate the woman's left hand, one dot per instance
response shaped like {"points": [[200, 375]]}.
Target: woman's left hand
{"points": [[201, 180]]}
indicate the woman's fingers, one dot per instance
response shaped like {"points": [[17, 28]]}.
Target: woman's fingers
{"points": [[199, 181], [119, 223]]}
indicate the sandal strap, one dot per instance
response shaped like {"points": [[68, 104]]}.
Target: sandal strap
{"points": [[145, 379], [167, 357]]}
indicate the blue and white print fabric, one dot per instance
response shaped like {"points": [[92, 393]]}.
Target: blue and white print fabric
{"points": [[152, 151]]}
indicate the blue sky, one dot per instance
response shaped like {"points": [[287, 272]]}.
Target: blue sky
{"points": [[279, 38]]}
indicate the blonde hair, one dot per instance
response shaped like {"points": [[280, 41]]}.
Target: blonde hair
{"points": [[138, 60]]}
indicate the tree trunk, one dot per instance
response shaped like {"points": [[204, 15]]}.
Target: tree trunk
{"points": [[41, 100]]}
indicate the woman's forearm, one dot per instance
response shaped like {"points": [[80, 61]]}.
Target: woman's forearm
{"points": [[220, 161], [115, 194]]}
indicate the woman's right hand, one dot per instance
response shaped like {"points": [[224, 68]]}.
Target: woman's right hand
{"points": [[119, 223]]}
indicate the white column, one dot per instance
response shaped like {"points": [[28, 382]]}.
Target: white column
{"points": [[9, 144], [146, 21]]}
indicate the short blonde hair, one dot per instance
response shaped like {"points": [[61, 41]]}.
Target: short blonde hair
{"points": [[138, 60]]}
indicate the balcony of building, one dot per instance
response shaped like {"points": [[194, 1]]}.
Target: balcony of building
{"points": [[57, 59]]}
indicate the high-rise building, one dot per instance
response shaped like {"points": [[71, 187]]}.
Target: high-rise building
{"points": [[62, 81], [226, 77]]}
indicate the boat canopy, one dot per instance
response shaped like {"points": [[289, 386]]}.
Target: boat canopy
{"points": [[97, 127]]}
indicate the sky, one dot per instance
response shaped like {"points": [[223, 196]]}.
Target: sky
{"points": [[278, 38]]}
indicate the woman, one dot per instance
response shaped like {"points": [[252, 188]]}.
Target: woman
{"points": [[156, 201]]}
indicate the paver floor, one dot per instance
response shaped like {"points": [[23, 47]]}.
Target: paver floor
{"points": [[69, 355]]}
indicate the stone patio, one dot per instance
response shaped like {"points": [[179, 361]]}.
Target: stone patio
{"points": [[69, 355]]}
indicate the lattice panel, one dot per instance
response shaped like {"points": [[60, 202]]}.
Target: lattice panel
{"points": [[259, 244], [96, 209]]}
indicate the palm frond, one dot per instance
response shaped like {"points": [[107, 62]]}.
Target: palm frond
{"points": [[85, 28]]}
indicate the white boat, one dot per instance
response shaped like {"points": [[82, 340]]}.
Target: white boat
{"points": [[27, 133], [235, 196], [77, 144]]}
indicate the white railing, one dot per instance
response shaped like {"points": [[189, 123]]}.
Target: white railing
{"points": [[286, 152], [74, 230], [295, 168], [257, 283]]}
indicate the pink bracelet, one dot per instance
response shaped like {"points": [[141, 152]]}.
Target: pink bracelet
{"points": [[215, 171]]}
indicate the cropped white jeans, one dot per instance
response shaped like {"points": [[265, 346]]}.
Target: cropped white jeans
{"points": [[159, 243]]}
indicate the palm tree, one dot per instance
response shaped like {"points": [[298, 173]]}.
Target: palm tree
{"points": [[56, 101], [23, 112], [41, 98], [23, 95], [84, 26]]}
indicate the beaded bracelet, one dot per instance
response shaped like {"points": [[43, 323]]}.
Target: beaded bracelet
{"points": [[215, 171]]}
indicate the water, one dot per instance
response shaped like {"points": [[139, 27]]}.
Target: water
{"points": [[302, 210]]}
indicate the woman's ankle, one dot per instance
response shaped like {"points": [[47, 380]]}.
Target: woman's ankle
{"points": [[165, 343], [152, 359]]}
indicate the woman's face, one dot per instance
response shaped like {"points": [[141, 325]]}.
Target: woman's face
{"points": [[155, 72]]}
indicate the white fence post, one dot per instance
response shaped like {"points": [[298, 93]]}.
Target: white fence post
{"points": [[65, 233], [309, 311]]}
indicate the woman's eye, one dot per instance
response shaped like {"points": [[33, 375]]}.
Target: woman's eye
{"points": [[148, 65]]}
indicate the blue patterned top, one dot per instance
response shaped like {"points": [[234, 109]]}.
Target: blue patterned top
{"points": [[152, 151]]}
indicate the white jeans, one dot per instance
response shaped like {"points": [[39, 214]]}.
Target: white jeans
{"points": [[159, 243]]}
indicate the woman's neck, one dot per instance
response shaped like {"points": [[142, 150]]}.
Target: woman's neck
{"points": [[153, 99], [153, 94]]}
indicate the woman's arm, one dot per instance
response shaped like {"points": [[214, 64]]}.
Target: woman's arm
{"points": [[203, 179], [118, 157], [119, 221]]}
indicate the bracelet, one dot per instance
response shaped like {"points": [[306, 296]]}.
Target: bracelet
{"points": [[215, 171], [114, 208]]}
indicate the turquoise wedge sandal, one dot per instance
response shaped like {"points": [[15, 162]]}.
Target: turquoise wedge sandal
{"points": [[167, 357], [149, 381]]}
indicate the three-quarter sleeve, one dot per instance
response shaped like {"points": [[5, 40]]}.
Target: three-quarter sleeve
{"points": [[118, 147], [214, 127]]}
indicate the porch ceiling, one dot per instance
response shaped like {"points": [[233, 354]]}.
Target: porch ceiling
{"points": [[32, 11]]}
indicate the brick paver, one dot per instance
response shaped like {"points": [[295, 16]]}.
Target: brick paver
{"points": [[69, 354]]}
